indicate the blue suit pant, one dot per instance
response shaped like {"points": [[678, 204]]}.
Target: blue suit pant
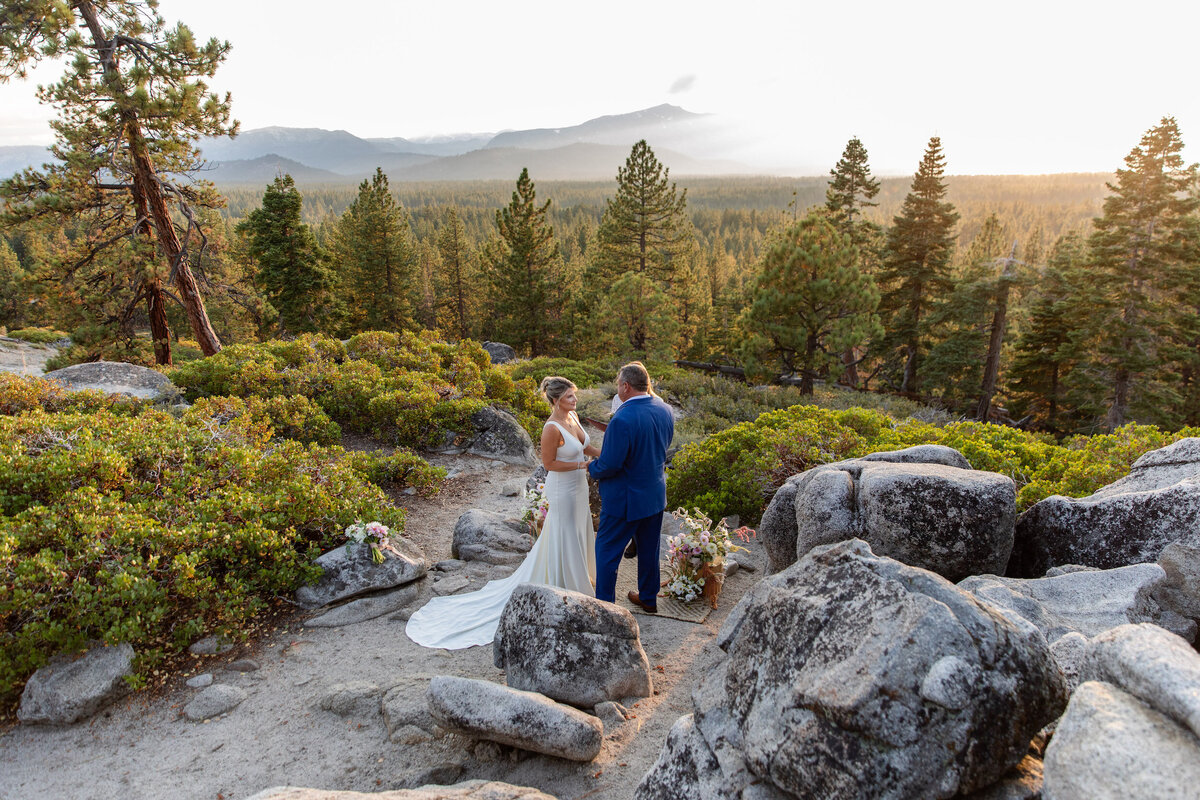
{"points": [[611, 540]]}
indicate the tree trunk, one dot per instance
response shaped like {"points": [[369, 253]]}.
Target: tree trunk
{"points": [[159, 329], [991, 367], [850, 373], [148, 193], [1120, 401]]}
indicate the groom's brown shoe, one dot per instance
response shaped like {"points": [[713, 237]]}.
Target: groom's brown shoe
{"points": [[637, 601]]}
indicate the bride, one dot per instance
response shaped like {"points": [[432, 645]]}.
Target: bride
{"points": [[563, 555]]}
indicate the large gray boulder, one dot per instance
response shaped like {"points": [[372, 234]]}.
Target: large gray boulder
{"points": [[499, 352], [570, 647], [365, 608], [852, 675], [498, 434], [527, 720], [1157, 667], [490, 537], [1110, 746], [349, 570], [467, 790], [116, 377], [937, 514], [1088, 602], [71, 688], [1130, 521], [1180, 589]]}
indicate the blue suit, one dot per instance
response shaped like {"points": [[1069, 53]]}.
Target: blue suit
{"points": [[631, 471]]}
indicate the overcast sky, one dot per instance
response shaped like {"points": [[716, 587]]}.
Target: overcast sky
{"points": [[1017, 87]]}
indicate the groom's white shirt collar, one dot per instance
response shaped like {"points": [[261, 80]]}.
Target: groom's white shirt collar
{"points": [[638, 397]]}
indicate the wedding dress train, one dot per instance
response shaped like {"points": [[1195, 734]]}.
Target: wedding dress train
{"points": [[563, 555]]}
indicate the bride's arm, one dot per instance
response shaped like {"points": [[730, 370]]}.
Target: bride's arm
{"points": [[592, 450], [550, 440]]}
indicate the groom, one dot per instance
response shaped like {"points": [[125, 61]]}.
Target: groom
{"points": [[631, 471]]}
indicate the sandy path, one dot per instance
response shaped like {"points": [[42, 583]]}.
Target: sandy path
{"points": [[142, 747]]}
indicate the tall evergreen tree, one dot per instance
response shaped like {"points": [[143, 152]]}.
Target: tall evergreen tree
{"points": [[1142, 251], [133, 104], [851, 189], [645, 228], [15, 291], [375, 259], [916, 263], [809, 304], [959, 324], [524, 266], [458, 279], [291, 266], [1044, 356]]}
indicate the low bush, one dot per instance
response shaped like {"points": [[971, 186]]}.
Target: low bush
{"points": [[38, 335], [407, 389], [153, 529], [737, 471]]}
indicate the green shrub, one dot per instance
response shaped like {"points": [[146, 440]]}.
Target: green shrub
{"points": [[20, 393], [152, 529], [400, 470], [583, 374], [38, 335], [737, 470], [408, 389]]}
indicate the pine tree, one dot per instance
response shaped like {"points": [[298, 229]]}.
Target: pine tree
{"points": [[1044, 356], [524, 269], [375, 259], [851, 189], [1142, 251], [959, 324], [916, 264], [15, 291], [291, 266], [644, 228], [457, 283], [133, 103], [809, 304]]}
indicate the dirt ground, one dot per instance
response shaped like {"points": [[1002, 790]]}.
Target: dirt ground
{"points": [[24, 358], [143, 746]]}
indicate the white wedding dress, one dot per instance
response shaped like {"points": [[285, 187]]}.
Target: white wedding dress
{"points": [[564, 555]]}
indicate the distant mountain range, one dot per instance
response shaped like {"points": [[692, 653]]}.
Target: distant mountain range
{"points": [[593, 150]]}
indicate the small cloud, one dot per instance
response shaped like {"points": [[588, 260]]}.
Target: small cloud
{"points": [[682, 84]]}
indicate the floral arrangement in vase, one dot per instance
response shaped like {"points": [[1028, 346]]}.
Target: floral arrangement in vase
{"points": [[376, 533], [696, 556]]}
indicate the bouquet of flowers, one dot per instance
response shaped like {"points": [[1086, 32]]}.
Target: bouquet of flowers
{"points": [[697, 554], [376, 533], [536, 506]]}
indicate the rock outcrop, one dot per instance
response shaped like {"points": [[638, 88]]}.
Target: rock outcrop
{"points": [[497, 434], [1087, 602], [1132, 729], [71, 688], [1127, 522], [489, 537], [852, 675], [349, 570], [570, 647], [923, 506], [499, 352], [117, 377], [482, 710]]}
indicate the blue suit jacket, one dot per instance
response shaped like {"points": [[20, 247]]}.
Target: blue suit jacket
{"points": [[632, 465]]}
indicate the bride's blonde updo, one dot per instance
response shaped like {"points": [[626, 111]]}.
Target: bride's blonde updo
{"points": [[553, 387]]}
